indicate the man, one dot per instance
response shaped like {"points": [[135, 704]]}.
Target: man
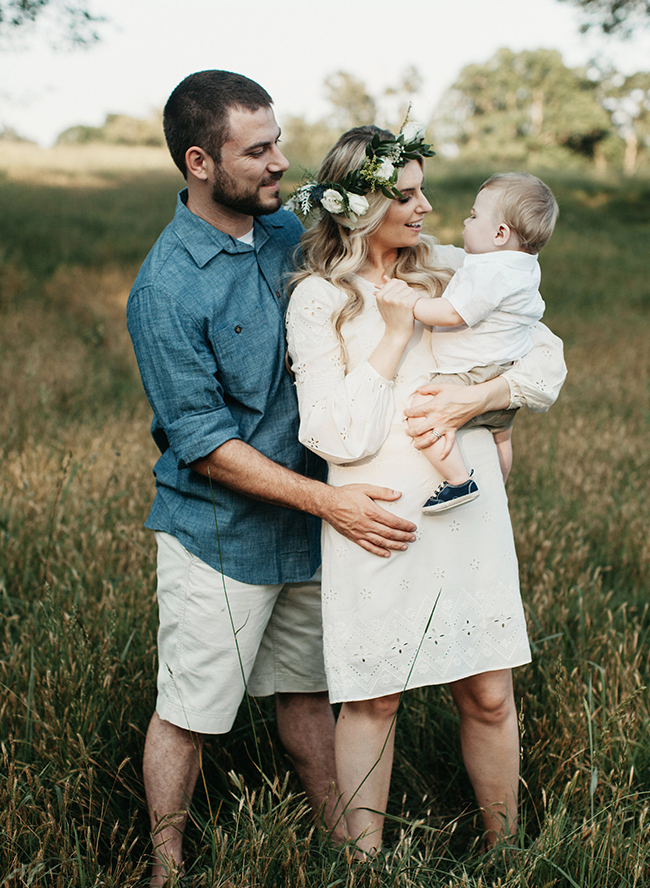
{"points": [[206, 319]]}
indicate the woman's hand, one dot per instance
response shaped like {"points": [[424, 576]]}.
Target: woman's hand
{"points": [[451, 406], [395, 301]]}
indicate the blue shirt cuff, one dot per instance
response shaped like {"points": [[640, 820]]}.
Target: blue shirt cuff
{"points": [[194, 436]]}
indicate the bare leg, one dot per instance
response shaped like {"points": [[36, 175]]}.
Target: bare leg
{"points": [[306, 727], [490, 742], [503, 440], [363, 729], [452, 468], [170, 768]]}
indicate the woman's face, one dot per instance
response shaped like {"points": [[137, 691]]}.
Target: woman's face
{"points": [[402, 224]]}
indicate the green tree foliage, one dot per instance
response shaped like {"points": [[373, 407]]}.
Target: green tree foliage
{"points": [[628, 101], [352, 104], [400, 95], [614, 16], [118, 129], [70, 22], [518, 107], [9, 134], [306, 143]]}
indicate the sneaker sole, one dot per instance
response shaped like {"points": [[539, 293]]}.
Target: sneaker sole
{"points": [[458, 501]]}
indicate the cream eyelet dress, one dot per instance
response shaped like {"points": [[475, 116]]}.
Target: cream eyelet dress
{"points": [[448, 607]]}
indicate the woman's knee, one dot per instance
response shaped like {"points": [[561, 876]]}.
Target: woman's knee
{"points": [[380, 708], [487, 698]]}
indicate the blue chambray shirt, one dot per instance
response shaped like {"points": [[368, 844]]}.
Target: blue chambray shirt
{"points": [[206, 317]]}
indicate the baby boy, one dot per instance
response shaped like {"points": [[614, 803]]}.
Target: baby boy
{"points": [[482, 323]]}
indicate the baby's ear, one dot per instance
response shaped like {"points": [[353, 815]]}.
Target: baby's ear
{"points": [[503, 235]]}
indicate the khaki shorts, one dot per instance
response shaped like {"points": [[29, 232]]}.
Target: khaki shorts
{"points": [[493, 420], [278, 647]]}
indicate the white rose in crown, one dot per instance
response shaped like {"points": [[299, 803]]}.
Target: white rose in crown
{"points": [[358, 204], [332, 201], [413, 131], [385, 170]]}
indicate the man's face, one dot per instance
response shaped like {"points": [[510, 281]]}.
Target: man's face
{"points": [[248, 178]]}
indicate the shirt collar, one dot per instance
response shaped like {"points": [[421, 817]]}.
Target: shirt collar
{"points": [[510, 258], [203, 241]]}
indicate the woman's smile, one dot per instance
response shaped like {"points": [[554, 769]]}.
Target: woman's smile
{"points": [[407, 213]]}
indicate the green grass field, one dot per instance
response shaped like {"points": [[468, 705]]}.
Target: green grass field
{"points": [[77, 661]]}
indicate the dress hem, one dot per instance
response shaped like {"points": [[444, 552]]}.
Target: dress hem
{"points": [[425, 684]]}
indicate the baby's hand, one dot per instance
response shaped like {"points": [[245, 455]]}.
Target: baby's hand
{"points": [[396, 289]]}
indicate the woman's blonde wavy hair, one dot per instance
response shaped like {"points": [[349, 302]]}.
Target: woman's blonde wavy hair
{"points": [[336, 248]]}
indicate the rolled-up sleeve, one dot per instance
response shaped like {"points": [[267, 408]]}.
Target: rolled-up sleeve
{"points": [[536, 379], [343, 416], [180, 375]]}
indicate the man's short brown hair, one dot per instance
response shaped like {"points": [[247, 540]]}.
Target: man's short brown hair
{"points": [[197, 112]]}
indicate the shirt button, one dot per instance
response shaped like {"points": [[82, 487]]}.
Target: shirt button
{"points": [[237, 329]]}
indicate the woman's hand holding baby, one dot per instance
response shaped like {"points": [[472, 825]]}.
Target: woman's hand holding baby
{"points": [[451, 406]]}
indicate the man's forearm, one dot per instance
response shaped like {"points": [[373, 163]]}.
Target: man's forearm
{"points": [[351, 510], [242, 468]]}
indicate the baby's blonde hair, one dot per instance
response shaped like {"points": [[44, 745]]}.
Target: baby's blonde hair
{"points": [[527, 205]]}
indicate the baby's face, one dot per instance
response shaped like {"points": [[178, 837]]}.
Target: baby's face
{"points": [[483, 222]]}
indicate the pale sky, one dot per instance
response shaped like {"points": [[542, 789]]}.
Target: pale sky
{"points": [[289, 46]]}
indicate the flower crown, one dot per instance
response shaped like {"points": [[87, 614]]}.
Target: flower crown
{"points": [[380, 170]]}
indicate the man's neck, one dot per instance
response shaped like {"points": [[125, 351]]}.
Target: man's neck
{"points": [[222, 218]]}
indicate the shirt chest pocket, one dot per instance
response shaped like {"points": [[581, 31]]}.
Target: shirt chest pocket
{"points": [[250, 351]]}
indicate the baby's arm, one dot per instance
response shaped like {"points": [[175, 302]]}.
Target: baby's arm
{"points": [[436, 312]]}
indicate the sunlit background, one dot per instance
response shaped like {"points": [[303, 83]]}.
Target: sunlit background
{"points": [[146, 47], [502, 85]]}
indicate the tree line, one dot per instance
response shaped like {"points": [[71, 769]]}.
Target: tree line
{"points": [[529, 107], [516, 109], [524, 108]]}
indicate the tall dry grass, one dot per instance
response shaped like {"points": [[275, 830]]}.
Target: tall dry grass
{"points": [[77, 649]]}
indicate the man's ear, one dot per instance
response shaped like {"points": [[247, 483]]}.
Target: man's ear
{"points": [[198, 162]]}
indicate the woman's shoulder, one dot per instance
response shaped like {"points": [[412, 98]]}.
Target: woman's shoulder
{"points": [[316, 288]]}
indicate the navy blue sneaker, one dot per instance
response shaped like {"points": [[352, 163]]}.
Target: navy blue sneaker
{"points": [[448, 496]]}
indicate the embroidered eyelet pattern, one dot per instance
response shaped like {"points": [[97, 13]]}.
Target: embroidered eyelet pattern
{"points": [[448, 606], [366, 656]]}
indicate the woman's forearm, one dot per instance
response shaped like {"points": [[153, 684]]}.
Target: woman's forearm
{"points": [[536, 379], [492, 395], [386, 357]]}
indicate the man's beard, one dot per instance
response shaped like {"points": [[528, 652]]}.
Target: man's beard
{"points": [[226, 192]]}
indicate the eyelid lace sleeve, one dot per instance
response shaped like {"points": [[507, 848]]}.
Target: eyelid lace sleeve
{"points": [[536, 379], [343, 416]]}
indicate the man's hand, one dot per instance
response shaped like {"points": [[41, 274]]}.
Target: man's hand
{"points": [[351, 509], [352, 512]]}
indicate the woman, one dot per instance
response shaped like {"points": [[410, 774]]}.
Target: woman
{"points": [[448, 609]]}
